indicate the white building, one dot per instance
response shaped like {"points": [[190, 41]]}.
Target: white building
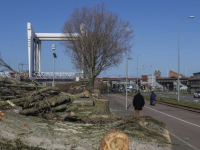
{"points": [[151, 79]]}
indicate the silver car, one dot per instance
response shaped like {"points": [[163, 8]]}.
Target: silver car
{"points": [[197, 94], [128, 89]]}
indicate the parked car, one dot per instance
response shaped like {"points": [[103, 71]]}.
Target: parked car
{"points": [[197, 94], [121, 89], [128, 89]]}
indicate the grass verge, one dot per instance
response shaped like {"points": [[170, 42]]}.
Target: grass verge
{"points": [[173, 101]]}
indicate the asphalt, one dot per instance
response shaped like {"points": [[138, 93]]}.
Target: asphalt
{"points": [[119, 110]]}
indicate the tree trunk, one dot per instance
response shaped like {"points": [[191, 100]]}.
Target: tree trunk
{"points": [[101, 107], [115, 141], [91, 81]]}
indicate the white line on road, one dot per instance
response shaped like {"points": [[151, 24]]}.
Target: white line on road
{"points": [[168, 115], [173, 117]]}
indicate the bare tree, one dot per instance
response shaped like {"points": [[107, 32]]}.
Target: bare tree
{"points": [[102, 42]]}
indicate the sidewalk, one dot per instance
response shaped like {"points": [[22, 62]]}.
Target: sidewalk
{"points": [[118, 108]]}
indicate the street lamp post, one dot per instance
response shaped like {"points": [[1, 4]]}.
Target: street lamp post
{"points": [[54, 56], [179, 56], [108, 85], [128, 58], [137, 69]]}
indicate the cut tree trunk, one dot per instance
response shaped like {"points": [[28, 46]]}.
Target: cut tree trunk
{"points": [[82, 95], [115, 141], [83, 102], [101, 107], [87, 94]]}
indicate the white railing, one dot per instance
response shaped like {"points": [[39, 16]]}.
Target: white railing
{"points": [[5, 74], [61, 75]]}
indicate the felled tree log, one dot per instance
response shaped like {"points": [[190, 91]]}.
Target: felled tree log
{"points": [[5, 92], [44, 90], [96, 93], [46, 104], [21, 86], [82, 95], [19, 101], [101, 107], [83, 102], [87, 94], [10, 97], [59, 107], [115, 141], [6, 80]]}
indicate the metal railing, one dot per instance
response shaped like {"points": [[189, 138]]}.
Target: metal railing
{"points": [[60, 75], [5, 74]]}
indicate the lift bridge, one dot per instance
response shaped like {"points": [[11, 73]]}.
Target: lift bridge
{"points": [[34, 51], [34, 54]]}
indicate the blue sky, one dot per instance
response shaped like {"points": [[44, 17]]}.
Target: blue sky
{"points": [[156, 25]]}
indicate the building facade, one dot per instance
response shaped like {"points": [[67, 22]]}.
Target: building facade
{"points": [[175, 74], [194, 83]]}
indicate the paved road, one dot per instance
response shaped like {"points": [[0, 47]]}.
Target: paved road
{"points": [[186, 97], [184, 126]]}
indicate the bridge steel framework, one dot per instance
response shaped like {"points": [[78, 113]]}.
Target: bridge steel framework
{"points": [[34, 46]]}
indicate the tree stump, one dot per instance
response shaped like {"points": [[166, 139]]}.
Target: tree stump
{"points": [[87, 94], [115, 141], [101, 107]]}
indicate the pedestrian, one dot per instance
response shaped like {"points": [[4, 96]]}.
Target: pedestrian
{"points": [[138, 103]]}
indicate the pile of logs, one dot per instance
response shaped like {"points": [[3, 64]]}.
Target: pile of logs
{"points": [[31, 99], [74, 87]]}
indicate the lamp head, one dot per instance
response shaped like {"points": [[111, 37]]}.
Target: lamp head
{"points": [[191, 17], [129, 58], [53, 46]]}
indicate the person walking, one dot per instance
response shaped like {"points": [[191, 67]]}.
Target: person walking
{"points": [[138, 103]]}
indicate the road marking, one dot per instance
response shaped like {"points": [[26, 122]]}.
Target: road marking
{"points": [[173, 117], [168, 115]]}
